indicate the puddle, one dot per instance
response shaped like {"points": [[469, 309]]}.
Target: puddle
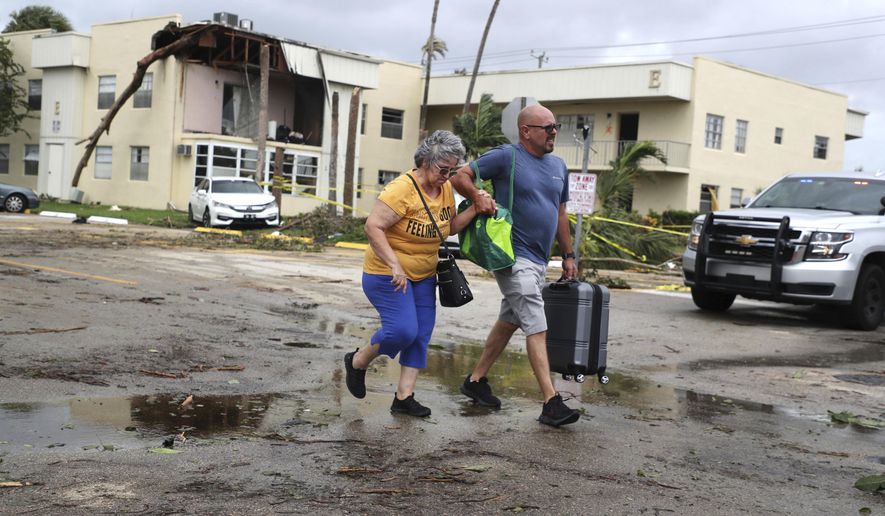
{"points": [[105, 424], [142, 421], [868, 353], [512, 377]]}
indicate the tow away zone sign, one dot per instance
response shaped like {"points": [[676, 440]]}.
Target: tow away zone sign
{"points": [[581, 193]]}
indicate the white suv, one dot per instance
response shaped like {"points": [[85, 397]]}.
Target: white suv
{"points": [[808, 238], [224, 201]]}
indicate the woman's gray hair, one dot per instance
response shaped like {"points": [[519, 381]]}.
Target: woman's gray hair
{"points": [[439, 146]]}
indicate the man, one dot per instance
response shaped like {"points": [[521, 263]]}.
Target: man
{"points": [[540, 194]]}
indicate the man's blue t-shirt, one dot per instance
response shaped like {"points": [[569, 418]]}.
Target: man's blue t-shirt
{"points": [[540, 186]]}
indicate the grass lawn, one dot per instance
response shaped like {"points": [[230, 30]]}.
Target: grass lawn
{"points": [[163, 218]]}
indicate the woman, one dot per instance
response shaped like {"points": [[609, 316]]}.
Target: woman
{"points": [[399, 269]]}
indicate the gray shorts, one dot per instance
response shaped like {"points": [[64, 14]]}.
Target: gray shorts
{"points": [[522, 304]]}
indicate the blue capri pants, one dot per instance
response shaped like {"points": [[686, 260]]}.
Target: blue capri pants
{"points": [[407, 320]]}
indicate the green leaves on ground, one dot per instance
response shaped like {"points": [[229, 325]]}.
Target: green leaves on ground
{"points": [[848, 418], [871, 484], [164, 451]]}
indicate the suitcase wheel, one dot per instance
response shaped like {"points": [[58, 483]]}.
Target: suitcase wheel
{"points": [[579, 378], [603, 379]]}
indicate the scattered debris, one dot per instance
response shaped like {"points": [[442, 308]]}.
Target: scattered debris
{"points": [[32, 331], [848, 418], [163, 451], [356, 470], [158, 373], [14, 484], [871, 484], [187, 403], [383, 490]]}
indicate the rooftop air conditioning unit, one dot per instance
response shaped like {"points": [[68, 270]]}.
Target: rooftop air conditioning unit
{"points": [[223, 18], [246, 24], [183, 150]]}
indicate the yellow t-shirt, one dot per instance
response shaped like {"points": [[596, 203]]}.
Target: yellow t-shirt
{"points": [[413, 238]]}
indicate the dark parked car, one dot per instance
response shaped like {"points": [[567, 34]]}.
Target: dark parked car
{"points": [[16, 199]]}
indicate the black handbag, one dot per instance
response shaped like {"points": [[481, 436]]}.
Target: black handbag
{"points": [[453, 287]]}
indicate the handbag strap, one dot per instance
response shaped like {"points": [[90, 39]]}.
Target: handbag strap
{"points": [[438, 233], [477, 181]]}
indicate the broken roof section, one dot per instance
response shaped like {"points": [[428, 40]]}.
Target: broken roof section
{"points": [[224, 46]]}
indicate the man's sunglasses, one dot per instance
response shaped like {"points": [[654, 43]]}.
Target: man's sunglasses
{"points": [[549, 128]]}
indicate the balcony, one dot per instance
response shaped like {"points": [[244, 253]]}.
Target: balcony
{"points": [[604, 151]]}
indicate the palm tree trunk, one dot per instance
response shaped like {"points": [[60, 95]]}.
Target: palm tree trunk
{"points": [[423, 124], [482, 45]]}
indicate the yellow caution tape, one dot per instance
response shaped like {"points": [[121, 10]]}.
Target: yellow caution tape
{"points": [[650, 228], [620, 247]]}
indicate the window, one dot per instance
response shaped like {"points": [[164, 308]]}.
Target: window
{"points": [[778, 135], [138, 165], [363, 120], [740, 136], [107, 90], [820, 147], [386, 176], [708, 199], [103, 163], [142, 96], [713, 132], [574, 124], [35, 94], [392, 123], [4, 158], [32, 160], [736, 196], [306, 174]]}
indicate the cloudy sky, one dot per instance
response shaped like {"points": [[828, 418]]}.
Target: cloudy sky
{"points": [[833, 44]]}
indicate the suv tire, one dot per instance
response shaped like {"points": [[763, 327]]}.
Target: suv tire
{"points": [[868, 303], [711, 300]]}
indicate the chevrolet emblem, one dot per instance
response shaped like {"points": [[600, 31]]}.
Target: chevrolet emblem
{"points": [[746, 240]]}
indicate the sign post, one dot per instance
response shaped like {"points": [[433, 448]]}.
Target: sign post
{"points": [[581, 193], [510, 114]]}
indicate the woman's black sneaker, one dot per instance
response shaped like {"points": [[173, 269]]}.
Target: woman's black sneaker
{"points": [[409, 406], [480, 392], [556, 413], [355, 378]]}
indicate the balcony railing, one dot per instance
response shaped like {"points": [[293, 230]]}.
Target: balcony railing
{"points": [[603, 152]]}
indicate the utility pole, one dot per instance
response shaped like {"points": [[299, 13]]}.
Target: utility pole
{"points": [[542, 57]]}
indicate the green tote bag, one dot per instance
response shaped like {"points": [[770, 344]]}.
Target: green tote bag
{"points": [[486, 240]]}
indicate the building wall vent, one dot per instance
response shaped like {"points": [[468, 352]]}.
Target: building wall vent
{"points": [[184, 150]]}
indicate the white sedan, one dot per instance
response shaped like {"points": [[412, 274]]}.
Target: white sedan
{"points": [[224, 201]]}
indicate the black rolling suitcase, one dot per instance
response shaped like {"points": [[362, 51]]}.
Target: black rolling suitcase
{"points": [[577, 328]]}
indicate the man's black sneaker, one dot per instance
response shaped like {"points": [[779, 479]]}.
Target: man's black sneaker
{"points": [[480, 392], [355, 378], [556, 413], [409, 406]]}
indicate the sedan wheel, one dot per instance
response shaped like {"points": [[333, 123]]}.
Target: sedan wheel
{"points": [[15, 203], [207, 219]]}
